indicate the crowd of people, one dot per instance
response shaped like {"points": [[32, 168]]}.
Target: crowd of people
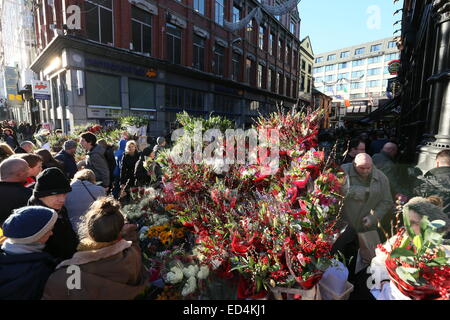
{"points": [[57, 212], [375, 183]]}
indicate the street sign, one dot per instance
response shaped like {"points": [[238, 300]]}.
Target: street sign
{"points": [[41, 90]]}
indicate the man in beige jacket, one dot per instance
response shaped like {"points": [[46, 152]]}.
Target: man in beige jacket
{"points": [[367, 199]]}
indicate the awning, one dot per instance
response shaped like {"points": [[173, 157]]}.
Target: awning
{"points": [[382, 111]]}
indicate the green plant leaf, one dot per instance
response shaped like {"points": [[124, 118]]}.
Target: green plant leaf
{"points": [[432, 236], [418, 242], [438, 224], [407, 222], [401, 252], [441, 260], [405, 242], [408, 274]]}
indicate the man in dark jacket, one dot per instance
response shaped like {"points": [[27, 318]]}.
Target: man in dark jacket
{"points": [[355, 147], [95, 159], [437, 181], [50, 191], [66, 156], [13, 194], [384, 161], [24, 267]]}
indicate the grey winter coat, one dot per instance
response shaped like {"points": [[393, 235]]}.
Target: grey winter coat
{"points": [[360, 200], [96, 162], [79, 200]]}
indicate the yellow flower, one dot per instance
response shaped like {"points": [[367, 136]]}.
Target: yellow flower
{"points": [[2, 238], [179, 234], [170, 206]]}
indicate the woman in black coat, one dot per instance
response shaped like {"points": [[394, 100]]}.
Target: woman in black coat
{"points": [[129, 159]]}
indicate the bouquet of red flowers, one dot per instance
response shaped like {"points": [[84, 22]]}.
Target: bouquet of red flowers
{"points": [[276, 228]]}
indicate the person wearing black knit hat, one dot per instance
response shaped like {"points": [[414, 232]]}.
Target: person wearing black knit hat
{"points": [[24, 267], [50, 191]]}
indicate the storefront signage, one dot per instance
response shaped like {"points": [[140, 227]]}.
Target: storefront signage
{"points": [[394, 88], [103, 113], [116, 67], [358, 103], [11, 80], [394, 67], [41, 90]]}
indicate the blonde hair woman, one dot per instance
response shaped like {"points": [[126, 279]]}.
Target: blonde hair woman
{"points": [[130, 157], [5, 151]]}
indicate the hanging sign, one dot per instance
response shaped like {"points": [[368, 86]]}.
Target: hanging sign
{"points": [[394, 67], [41, 90]]}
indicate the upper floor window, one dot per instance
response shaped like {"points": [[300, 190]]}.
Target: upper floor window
{"points": [[331, 57], [292, 27], [360, 51], [99, 20], [173, 43], [374, 60], [320, 59], [359, 62], [199, 52], [330, 67], [259, 76], [219, 54], [345, 54], [236, 66], [374, 72], [218, 13], [391, 56], [262, 31], [357, 74], [141, 26], [318, 69], [280, 46], [271, 43], [343, 65], [199, 6], [375, 47], [236, 14], [392, 44]]}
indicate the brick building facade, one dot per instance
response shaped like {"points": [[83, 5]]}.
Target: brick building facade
{"points": [[156, 58]]}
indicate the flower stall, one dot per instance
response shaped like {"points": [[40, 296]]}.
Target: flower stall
{"points": [[259, 235]]}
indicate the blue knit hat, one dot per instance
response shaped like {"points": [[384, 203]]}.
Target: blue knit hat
{"points": [[29, 224]]}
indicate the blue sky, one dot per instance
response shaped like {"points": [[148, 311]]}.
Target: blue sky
{"points": [[335, 24]]}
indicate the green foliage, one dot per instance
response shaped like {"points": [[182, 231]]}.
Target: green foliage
{"points": [[133, 121], [189, 122]]}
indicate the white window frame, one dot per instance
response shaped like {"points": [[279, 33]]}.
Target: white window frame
{"points": [[142, 33], [217, 18], [99, 21]]}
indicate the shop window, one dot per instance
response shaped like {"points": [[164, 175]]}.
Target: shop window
{"points": [[102, 89], [142, 94]]}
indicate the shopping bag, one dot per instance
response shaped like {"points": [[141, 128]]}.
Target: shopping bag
{"points": [[368, 242]]}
